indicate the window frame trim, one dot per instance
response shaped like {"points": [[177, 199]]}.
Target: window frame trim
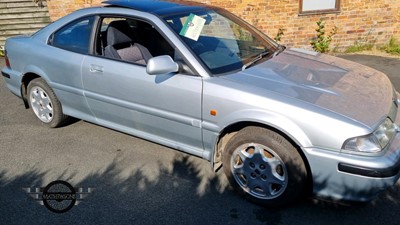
{"points": [[321, 11]]}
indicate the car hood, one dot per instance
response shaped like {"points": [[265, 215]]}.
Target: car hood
{"points": [[347, 88]]}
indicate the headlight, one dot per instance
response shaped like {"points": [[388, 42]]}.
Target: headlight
{"points": [[374, 142]]}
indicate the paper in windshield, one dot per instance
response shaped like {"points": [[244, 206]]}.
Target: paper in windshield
{"points": [[193, 27]]}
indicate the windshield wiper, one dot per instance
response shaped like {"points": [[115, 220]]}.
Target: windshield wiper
{"points": [[281, 48], [256, 59]]}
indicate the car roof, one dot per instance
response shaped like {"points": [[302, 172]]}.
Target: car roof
{"points": [[161, 8]]}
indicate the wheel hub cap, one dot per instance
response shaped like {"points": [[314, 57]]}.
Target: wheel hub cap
{"points": [[259, 171], [41, 104]]}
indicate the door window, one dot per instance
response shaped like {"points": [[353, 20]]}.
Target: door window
{"points": [[130, 40]]}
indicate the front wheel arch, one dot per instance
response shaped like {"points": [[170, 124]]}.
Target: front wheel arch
{"points": [[230, 131]]}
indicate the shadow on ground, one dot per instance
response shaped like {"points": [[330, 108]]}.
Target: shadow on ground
{"points": [[177, 195]]}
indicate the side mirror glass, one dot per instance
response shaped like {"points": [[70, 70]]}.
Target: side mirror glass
{"points": [[161, 65]]}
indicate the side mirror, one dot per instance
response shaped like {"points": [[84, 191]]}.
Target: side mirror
{"points": [[161, 65]]}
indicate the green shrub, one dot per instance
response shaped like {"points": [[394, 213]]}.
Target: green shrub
{"points": [[322, 41]]}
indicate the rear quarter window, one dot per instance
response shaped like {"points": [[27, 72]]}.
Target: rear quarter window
{"points": [[75, 36]]}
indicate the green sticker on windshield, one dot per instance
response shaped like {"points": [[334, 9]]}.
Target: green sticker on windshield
{"points": [[193, 27]]}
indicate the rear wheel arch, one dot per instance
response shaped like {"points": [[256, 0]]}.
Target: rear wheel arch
{"points": [[26, 79], [44, 103]]}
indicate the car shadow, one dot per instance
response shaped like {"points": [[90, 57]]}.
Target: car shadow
{"points": [[69, 121]]}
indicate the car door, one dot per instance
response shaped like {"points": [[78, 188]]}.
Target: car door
{"points": [[164, 108]]}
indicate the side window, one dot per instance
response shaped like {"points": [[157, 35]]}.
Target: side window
{"points": [[74, 36], [130, 40]]}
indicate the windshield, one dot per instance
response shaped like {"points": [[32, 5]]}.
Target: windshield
{"points": [[221, 41]]}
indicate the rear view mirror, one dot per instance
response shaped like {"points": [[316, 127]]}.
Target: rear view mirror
{"points": [[161, 65]]}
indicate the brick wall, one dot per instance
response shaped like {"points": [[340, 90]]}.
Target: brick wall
{"points": [[60, 8], [360, 21]]}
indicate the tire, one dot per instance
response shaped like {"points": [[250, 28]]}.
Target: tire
{"points": [[264, 166], [45, 104]]}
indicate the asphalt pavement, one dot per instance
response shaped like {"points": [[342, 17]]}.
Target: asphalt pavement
{"points": [[134, 181]]}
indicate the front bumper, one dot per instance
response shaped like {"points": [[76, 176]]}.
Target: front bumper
{"points": [[353, 177], [370, 172]]}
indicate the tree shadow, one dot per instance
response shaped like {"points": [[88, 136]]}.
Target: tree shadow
{"points": [[180, 193]]}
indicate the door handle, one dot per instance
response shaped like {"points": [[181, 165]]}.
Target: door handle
{"points": [[96, 68]]}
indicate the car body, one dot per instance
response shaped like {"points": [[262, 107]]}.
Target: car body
{"points": [[198, 79]]}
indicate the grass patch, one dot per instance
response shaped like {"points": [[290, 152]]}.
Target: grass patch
{"points": [[359, 47], [393, 47]]}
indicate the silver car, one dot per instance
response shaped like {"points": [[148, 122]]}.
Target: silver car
{"points": [[280, 122]]}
